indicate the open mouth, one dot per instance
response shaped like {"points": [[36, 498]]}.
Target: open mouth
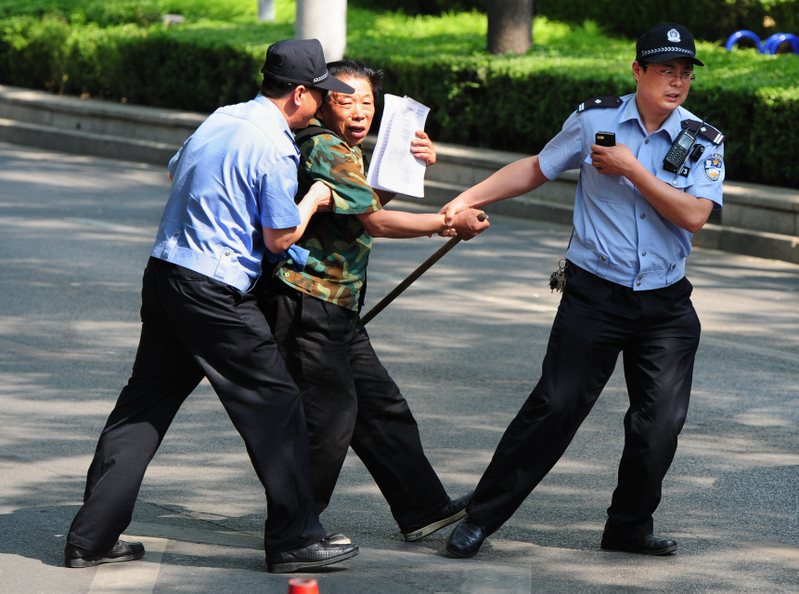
{"points": [[357, 131]]}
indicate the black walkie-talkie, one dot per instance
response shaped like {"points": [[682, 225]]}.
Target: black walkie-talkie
{"points": [[679, 151]]}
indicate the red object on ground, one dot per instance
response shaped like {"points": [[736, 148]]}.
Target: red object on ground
{"points": [[303, 586]]}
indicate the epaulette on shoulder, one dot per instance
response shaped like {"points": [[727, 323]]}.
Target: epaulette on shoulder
{"points": [[707, 131], [600, 102]]}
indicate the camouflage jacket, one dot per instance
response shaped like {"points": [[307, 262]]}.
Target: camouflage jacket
{"points": [[337, 243]]}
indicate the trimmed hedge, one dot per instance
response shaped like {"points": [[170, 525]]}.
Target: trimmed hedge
{"points": [[140, 12], [106, 14], [188, 69], [707, 19], [506, 103]]}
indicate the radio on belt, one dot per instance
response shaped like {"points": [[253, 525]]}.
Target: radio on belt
{"points": [[684, 145]]}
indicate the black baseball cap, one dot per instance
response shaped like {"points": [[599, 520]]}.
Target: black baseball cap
{"points": [[301, 62], [666, 41]]}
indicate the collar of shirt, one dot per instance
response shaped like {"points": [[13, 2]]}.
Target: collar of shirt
{"points": [[671, 125], [277, 116]]}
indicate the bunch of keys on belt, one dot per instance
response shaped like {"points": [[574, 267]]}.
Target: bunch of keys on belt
{"points": [[557, 279]]}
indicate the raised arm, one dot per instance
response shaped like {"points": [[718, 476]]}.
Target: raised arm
{"points": [[513, 180], [400, 224]]}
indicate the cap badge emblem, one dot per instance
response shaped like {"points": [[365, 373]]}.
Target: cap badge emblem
{"points": [[673, 36]]}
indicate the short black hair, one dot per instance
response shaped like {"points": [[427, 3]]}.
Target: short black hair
{"points": [[276, 89], [356, 69]]}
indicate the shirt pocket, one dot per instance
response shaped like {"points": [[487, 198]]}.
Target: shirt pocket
{"points": [[614, 189]]}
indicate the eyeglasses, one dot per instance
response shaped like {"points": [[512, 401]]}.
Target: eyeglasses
{"points": [[686, 77]]}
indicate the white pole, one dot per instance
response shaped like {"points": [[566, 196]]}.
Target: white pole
{"points": [[325, 20], [266, 10]]}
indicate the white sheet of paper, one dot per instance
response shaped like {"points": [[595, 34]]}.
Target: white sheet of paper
{"points": [[393, 167], [391, 102]]}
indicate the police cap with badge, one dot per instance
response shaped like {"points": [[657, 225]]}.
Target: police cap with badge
{"points": [[664, 42], [669, 41], [301, 62]]}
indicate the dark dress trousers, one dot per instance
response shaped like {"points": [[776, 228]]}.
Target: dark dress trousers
{"points": [[350, 400], [195, 327], [657, 333]]}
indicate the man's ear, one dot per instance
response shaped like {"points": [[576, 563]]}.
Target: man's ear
{"points": [[299, 91]]}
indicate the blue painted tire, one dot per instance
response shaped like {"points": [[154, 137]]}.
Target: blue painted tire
{"points": [[771, 44], [744, 33]]}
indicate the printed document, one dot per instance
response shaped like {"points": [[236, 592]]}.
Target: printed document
{"points": [[393, 167]]}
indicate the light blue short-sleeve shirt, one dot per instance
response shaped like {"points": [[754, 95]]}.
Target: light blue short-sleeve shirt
{"points": [[618, 235], [234, 176]]}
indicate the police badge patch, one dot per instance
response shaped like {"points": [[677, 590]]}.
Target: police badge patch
{"points": [[713, 166]]}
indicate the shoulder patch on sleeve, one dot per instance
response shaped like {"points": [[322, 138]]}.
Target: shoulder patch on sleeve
{"points": [[713, 167], [606, 101], [708, 132]]}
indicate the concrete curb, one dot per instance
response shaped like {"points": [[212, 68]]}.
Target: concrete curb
{"points": [[760, 221], [85, 143]]}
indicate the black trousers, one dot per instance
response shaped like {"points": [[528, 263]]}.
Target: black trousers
{"points": [[194, 326], [350, 400], [658, 334]]}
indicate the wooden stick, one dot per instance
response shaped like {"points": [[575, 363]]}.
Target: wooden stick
{"points": [[423, 267]]}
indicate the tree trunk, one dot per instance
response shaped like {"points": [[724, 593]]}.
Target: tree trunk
{"points": [[325, 20], [510, 26], [266, 10]]}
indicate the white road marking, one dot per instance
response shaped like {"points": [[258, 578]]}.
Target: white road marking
{"points": [[137, 577]]}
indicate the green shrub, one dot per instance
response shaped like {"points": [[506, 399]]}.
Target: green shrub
{"points": [[199, 77], [105, 14], [32, 52], [713, 20], [140, 12], [512, 103], [194, 67], [519, 103], [775, 109]]}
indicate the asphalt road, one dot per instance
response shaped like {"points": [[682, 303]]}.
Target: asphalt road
{"points": [[465, 344]]}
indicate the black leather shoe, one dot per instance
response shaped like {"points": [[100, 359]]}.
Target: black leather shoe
{"points": [[466, 539], [452, 512], [649, 544], [309, 558], [121, 551]]}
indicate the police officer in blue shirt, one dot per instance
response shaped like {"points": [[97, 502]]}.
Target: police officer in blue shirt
{"points": [[624, 292], [232, 203]]}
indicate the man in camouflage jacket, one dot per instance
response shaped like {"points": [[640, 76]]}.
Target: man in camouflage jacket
{"points": [[348, 396]]}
